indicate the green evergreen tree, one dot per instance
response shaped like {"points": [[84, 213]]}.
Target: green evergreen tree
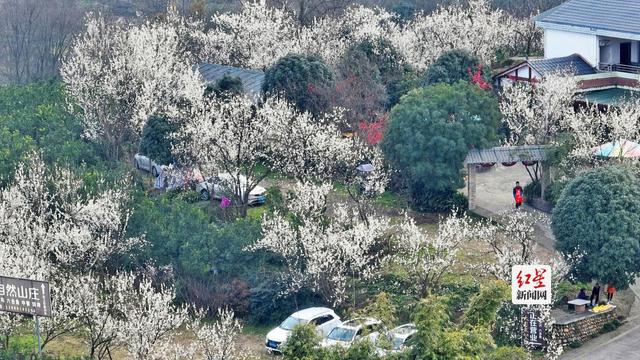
{"points": [[598, 214]]}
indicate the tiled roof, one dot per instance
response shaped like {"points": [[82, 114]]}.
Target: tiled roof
{"points": [[574, 64], [252, 80], [507, 154], [608, 15]]}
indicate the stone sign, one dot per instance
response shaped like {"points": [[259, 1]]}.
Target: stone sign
{"points": [[533, 336], [24, 296]]}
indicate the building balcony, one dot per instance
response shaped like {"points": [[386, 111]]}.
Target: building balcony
{"points": [[633, 68]]}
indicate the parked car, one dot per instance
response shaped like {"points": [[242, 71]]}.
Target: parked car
{"points": [[399, 339], [223, 184], [142, 162], [323, 318], [173, 178], [354, 330]]}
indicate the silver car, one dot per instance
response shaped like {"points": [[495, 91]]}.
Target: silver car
{"points": [[223, 184], [399, 339], [142, 162], [359, 329]]}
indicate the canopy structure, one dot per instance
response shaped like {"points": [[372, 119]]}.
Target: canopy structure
{"points": [[507, 155], [618, 149]]}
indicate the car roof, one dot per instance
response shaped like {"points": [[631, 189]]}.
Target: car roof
{"points": [[359, 322], [404, 330], [311, 313]]}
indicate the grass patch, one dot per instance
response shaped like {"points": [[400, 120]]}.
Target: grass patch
{"points": [[257, 329], [391, 199], [256, 212]]}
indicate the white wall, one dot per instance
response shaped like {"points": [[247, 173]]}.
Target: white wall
{"points": [[521, 72], [558, 43]]}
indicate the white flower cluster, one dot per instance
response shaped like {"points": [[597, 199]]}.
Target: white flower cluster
{"points": [[235, 136], [323, 251], [534, 113], [119, 74], [427, 258], [259, 35], [327, 249]]}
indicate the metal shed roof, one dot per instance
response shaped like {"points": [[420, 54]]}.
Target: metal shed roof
{"points": [[507, 154], [573, 64], [252, 80], [606, 15]]}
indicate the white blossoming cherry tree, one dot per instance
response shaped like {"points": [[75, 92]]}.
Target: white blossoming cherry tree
{"points": [[324, 247], [52, 228], [592, 126], [119, 74], [248, 142], [513, 242], [533, 113], [427, 258], [50, 231]]}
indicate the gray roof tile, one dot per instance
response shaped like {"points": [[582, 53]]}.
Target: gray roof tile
{"points": [[507, 154], [610, 15], [574, 64]]}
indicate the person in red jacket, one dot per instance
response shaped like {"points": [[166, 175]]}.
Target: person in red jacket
{"points": [[518, 194], [611, 289]]}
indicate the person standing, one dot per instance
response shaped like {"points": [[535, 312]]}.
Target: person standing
{"points": [[611, 289], [518, 194], [595, 295]]}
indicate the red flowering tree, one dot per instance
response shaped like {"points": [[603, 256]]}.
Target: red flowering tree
{"points": [[373, 132], [476, 78]]}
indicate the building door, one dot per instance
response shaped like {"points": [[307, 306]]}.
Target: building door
{"points": [[625, 53]]}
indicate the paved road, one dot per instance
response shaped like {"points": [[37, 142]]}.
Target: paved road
{"points": [[625, 345]]}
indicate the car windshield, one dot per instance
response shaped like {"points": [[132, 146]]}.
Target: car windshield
{"points": [[342, 334], [291, 322], [397, 343]]}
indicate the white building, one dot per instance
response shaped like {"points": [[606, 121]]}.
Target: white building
{"points": [[606, 33], [597, 41]]}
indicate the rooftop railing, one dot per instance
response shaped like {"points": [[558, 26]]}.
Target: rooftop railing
{"points": [[633, 69]]}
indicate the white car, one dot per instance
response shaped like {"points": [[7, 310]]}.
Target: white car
{"points": [[223, 183], [399, 339], [142, 162], [323, 318], [354, 330]]}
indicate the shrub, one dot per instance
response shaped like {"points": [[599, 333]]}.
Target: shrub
{"points": [[437, 202], [36, 117], [383, 309], [554, 191], [453, 66], [458, 293], [575, 344], [508, 324], [483, 306], [610, 326], [302, 80], [508, 353], [532, 190], [156, 141], [302, 343], [226, 86]]}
